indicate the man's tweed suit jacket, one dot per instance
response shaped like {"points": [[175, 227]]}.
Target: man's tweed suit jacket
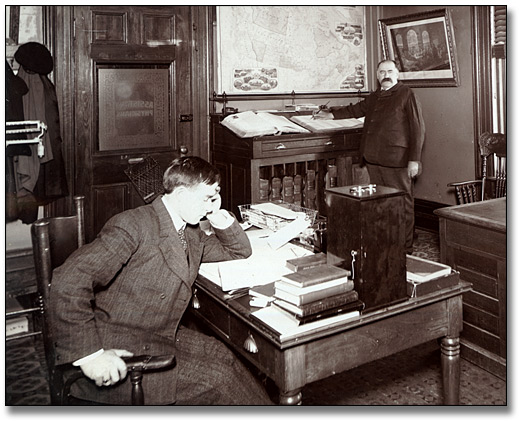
{"points": [[128, 290]]}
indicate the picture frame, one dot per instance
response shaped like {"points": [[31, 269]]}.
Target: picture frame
{"points": [[423, 46], [133, 108], [12, 25]]}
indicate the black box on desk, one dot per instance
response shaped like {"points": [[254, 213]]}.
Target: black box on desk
{"points": [[366, 223]]}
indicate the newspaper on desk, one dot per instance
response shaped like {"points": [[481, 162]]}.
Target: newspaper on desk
{"points": [[270, 251]]}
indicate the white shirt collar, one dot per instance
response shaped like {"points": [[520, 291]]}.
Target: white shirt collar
{"points": [[176, 219]]}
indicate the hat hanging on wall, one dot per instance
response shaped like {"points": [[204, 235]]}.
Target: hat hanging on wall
{"points": [[35, 57]]}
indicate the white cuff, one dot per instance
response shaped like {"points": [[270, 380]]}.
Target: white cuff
{"points": [[88, 358]]}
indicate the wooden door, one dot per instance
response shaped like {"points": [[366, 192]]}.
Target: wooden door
{"points": [[132, 99]]}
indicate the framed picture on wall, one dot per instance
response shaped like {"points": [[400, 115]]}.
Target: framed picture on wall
{"points": [[423, 46]]}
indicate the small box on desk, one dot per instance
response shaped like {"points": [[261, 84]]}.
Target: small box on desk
{"points": [[366, 227], [418, 289]]}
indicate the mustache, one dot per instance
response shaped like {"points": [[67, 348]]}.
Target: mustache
{"points": [[386, 79]]}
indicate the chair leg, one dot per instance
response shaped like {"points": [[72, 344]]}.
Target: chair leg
{"points": [[136, 377]]}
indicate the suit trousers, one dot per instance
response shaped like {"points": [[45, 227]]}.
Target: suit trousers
{"points": [[397, 178], [210, 374]]}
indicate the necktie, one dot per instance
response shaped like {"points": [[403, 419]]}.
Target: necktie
{"points": [[182, 238]]}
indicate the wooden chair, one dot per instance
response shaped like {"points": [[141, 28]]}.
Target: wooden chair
{"points": [[468, 191], [54, 239]]}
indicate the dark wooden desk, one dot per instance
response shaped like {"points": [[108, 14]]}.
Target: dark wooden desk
{"points": [[473, 241], [314, 356]]}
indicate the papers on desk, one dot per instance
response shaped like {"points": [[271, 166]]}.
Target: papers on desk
{"points": [[288, 328], [265, 265]]}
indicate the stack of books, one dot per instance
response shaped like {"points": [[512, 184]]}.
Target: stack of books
{"points": [[316, 292]]}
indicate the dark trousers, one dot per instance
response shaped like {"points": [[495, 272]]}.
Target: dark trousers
{"points": [[210, 374], [397, 178]]}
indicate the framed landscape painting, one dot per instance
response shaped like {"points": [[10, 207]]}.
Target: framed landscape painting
{"points": [[422, 45]]}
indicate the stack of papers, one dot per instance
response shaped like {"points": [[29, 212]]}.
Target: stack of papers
{"points": [[265, 265]]}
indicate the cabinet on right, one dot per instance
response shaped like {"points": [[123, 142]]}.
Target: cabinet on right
{"points": [[473, 241]]}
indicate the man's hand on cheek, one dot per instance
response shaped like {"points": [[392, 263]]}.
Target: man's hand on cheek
{"points": [[215, 216]]}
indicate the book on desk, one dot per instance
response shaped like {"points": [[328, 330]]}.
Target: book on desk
{"points": [[423, 270], [317, 125], [251, 124], [425, 276]]}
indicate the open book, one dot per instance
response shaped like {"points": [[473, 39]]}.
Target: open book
{"points": [[250, 124], [319, 125]]}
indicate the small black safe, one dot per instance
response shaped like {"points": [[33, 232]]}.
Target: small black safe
{"points": [[366, 235]]}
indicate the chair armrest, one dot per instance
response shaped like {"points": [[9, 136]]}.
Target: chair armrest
{"points": [[149, 362], [463, 183]]}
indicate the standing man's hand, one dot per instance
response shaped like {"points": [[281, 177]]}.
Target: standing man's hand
{"points": [[323, 115], [414, 169]]}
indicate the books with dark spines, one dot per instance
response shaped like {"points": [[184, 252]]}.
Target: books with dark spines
{"points": [[263, 189], [286, 327], [276, 189], [288, 189], [308, 297], [306, 262], [298, 185], [317, 274], [309, 192], [331, 176], [319, 305], [357, 305], [422, 270]]}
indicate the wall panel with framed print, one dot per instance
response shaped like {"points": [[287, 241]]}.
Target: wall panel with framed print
{"points": [[423, 46], [285, 49], [133, 108]]}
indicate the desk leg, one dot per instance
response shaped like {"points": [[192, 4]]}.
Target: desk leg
{"points": [[293, 397], [450, 359]]}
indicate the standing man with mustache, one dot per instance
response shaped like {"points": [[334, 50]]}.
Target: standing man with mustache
{"points": [[393, 136]]}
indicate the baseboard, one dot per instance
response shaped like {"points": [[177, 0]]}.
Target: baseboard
{"points": [[484, 359], [424, 217]]}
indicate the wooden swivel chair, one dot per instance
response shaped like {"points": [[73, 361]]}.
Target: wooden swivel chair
{"points": [[54, 239], [468, 191]]}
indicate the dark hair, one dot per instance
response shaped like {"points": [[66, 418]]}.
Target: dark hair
{"points": [[189, 171], [388, 60]]}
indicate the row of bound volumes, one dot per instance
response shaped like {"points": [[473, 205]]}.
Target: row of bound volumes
{"points": [[290, 190], [299, 190], [312, 284], [324, 305]]}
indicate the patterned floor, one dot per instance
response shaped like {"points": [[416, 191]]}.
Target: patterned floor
{"points": [[411, 377]]}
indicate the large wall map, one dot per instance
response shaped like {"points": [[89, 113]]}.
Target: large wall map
{"points": [[280, 49]]}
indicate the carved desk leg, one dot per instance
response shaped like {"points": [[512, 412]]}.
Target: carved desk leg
{"points": [[450, 359], [293, 397]]}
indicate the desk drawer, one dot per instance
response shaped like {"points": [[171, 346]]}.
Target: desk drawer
{"points": [[256, 348], [282, 147], [215, 315]]}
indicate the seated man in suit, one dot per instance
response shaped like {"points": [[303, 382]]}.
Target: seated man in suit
{"points": [[125, 293]]}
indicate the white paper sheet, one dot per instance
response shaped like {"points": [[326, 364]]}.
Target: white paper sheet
{"points": [[265, 265]]}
